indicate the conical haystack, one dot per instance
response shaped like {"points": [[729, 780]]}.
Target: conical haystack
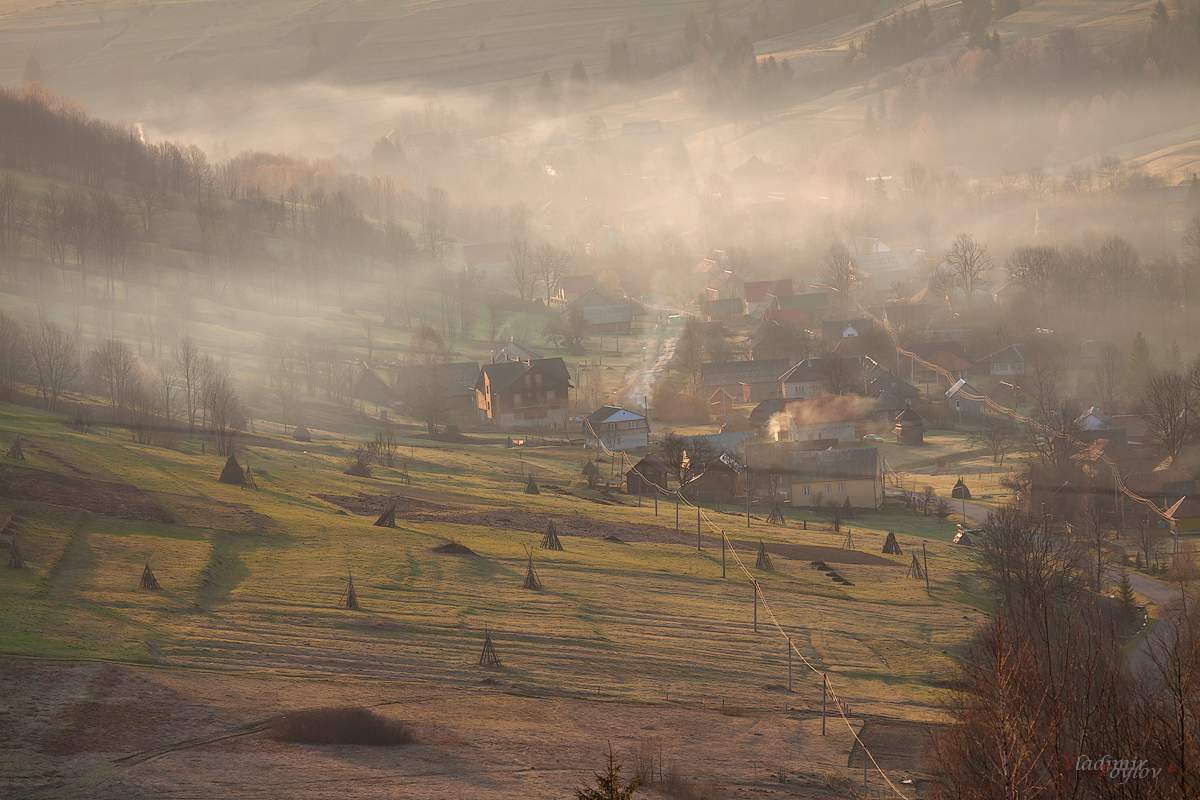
{"points": [[301, 434], [14, 556], [551, 541], [891, 546], [776, 515], [531, 486], [532, 581], [915, 570], [232, 473], [250, 483], [16, 452], [388, 518], [764, 558], [848, 543], [149, 582], [488, 657], [349, 599]]}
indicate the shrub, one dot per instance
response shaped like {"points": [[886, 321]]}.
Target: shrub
{"points": [[353, 725]]}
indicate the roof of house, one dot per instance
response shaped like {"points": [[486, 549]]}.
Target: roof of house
{"points": [[951, 362], [854, 463], [763, 412], [649, 464], [504, 374], [1007, 354], [452, 378], [600, 309], [762, 371], [909, 417], [758, 291], [613, 414], [515, 351], [805, 301], [960, 385], [816, 368]]}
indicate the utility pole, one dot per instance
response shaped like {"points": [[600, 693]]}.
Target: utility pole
{"points": [[722, 554], [925, 556], [755, 584], [789, 649], [824, 690]]}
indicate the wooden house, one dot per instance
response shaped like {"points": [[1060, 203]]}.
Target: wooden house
{"points": [[909, 427], [646, 475], [524, 394], [616, 428], [819, 478], [750, 381]]}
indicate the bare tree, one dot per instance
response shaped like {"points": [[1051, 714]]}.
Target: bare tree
{"points": [[550, 266], [840, 272], [1109, 376], [1168, 407], [434, 216], [187, 361], [14, 214], [224, 408], [14, 355], [997, 436], [52, 226], [968, 261], [55, 355], [520, 260], [115, 369], [150, 199], [168, 386]]}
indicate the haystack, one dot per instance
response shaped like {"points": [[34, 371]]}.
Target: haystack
{"points": [[349, 599], [891, 546], [915, 570], [551, 541], [14, 556], [488, 657], [591, 472], [848, 542], [960, 490], [149, 582], [16, 452], [232, 473], [531, 486], [532, 581], [776, 515], [388, 518], [250, 479], [764, 558], [301, 434]]}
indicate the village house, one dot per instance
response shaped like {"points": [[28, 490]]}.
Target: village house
{"points": [[750, 381], [830, 418], [446, 386], [515, 351], [647, 476], [616, 428], [806, 309], [715, 481], [760, 294], [1007, 362], [962, 405], [909, 427], [819, 375], [524, 394], [603, 313], [775, 339], [573, 287], [720, 405], [831, 477]]}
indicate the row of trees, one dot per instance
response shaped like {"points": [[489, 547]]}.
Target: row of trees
{"points": [[1048, 688], [189, 386]]}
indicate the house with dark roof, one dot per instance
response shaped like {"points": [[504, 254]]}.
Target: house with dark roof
{"points": [[603, 313], [762, 291], [725, 309], [616, 428], [749, 380], [819, 375], [647, 477], [909, 427], [804, 309], [524, 394], [1007, 362], [515, 351], [831, 477], [775, 339], [451, 385]]}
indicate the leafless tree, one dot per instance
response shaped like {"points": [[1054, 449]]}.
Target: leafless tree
{"points": [[79, 229], [168, 387], [150, 199], [14, 355], [55, 355], [997, 436], [969, 262], [14, 214], [550, 265], [115, 369], [1168, 406], [187, 362], [224, 408], [1109, 376], [434, 216], [521, 263], [840, 272]]}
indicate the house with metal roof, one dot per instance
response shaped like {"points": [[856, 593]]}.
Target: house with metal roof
{"points": [[524, 394], [616, 428]]}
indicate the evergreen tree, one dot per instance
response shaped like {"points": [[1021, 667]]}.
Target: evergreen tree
{"points": [[609, 785], [1127, 600]]}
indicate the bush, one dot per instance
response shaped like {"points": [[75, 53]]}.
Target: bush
{"points": [[352, 725]]}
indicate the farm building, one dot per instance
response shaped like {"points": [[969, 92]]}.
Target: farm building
{"points": [[715, 482], [909, 427], [726, 308], [805, 309], [958, 402], [616, 428], [825, 375], [750, 381], [720, 404], [822, 477], [643, 476], [524, 394], [603, 313]]}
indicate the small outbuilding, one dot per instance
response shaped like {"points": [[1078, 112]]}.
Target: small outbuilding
{"points": [[644, 476], [909, 427]]}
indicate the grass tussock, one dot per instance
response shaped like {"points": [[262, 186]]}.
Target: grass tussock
{"points": [[668, 779], [353, 725]]}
